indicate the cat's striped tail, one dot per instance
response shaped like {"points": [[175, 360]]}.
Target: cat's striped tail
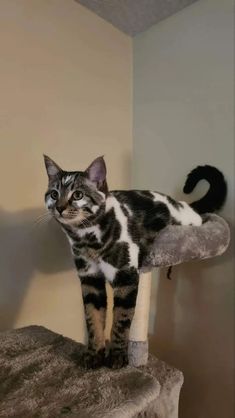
{"points": [[216, 195]]}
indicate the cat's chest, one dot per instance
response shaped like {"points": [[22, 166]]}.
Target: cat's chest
{"points": [[94, 254], [87, 242], [89, 234], [99, 244]]}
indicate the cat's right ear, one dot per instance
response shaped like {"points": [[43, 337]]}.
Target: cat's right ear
{"points": [[51, 167]]}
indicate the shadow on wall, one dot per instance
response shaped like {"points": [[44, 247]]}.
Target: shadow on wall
{"points": [[27, 247]]}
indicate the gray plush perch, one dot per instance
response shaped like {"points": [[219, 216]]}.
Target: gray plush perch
{"points": [[178, 244], [175, 244], [40, 373]]}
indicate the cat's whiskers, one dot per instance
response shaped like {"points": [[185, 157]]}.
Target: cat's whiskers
{"points": [[43, 215], [73, 214], [41, 220]]}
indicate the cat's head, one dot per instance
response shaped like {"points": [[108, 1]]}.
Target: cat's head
{"points": [[74, 197]]}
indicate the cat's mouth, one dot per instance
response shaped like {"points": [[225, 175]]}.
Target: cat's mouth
{"points": [[65, 216], [69, 217]]}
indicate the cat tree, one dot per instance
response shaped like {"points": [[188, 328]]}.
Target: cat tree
{"points": [[174, 245], [39, 373]]}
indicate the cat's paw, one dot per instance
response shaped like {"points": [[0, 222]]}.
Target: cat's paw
{"points": [[93, 359], [117, 359]]}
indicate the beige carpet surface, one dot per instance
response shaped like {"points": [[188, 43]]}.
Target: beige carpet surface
{"points": [[39, 377]]}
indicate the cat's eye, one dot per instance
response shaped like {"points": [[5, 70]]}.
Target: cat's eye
{"points": [[54, 194], [77, 195]]}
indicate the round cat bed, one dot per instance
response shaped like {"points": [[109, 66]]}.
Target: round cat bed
{"points": [[173, 245]]}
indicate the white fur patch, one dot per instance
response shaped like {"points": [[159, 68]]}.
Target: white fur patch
{"points": [[112, 202], [185, 215], [49, 202], [108, 270], [101, 194], [91, 268], [189, 216], [80, 203], [95, 229], [95, 208], [66, 179], [128, 209]]}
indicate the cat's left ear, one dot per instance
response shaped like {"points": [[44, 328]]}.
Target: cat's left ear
{"points": [[96, 172]]}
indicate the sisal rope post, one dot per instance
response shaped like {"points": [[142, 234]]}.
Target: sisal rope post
{"points": [[138, 340]]}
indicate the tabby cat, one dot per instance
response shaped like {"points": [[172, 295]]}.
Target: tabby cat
{"points": [[110, 233]]}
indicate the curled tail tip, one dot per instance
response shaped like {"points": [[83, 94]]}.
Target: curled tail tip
{"points": [[193, 178], [216, 195], [187, 189]]}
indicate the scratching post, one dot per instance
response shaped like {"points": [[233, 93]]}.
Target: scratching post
{"points": [[138, 342], [173, 245]]}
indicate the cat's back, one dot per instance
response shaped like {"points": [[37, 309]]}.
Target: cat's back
{"points": [[152, 203], [141, 200]]}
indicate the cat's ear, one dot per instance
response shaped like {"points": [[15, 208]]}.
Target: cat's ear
{"points": [[96, 172], [51, 167]]}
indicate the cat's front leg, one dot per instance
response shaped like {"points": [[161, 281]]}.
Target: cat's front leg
{"points": [[125, 288], [95, 304]]}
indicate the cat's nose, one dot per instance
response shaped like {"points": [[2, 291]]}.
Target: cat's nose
{"points": [[60, 209]]}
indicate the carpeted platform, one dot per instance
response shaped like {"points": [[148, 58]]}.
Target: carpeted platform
{"points": [[40, 377]]}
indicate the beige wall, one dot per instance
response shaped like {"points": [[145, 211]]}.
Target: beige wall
{"points": [[65, 90], [183, 116]]}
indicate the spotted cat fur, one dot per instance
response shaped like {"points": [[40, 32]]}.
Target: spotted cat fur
{"points": [[110, 233]]}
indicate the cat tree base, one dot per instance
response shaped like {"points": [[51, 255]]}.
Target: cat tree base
{"points": [[41, 376]]}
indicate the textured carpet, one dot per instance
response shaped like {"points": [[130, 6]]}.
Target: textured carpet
{"points": [[40, 378]]}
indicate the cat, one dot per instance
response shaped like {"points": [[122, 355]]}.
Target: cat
{"points": [[110, 233]]}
